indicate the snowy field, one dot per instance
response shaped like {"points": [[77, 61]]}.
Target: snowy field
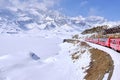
{"points": [[44, 47], [55, 62]]}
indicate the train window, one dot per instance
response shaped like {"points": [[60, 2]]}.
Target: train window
{"points": [[114, 42]]}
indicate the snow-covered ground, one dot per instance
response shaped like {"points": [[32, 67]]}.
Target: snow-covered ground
{"points": [[55, 61], [44, 47], [116, 59]]}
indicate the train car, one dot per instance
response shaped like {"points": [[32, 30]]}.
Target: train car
{"points": [[104, 42], [96, 40], [115, 44], [89, 39], [107, 43], [100, 41]]}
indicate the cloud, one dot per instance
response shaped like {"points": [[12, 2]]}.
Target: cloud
{"points": [[4, 3], [83, 3], [49, 3], [22, 4]]}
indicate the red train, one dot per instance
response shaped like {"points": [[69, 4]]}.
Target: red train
{"points": [[113, 43]]}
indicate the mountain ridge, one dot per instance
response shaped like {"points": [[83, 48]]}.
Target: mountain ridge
{"points": [[18, 20]]}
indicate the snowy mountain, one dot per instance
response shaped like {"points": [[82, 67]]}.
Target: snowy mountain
{"points": [[15, 20]]}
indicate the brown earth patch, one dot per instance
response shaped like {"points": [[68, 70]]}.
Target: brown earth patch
{"points": [[76, 36], [100, 65], [75, 56], [84, 44]]}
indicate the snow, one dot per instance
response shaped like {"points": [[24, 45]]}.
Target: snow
{"points": [[49, 19], [116, 59], [38, 45], [31, 25], [55, 61], [24, 18], [35, 12]]}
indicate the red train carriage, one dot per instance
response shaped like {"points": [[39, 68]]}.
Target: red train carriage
{"points": [[109, 42], [89, 39], [96, 40], [104, 42], [115, 44], [93, 40]]}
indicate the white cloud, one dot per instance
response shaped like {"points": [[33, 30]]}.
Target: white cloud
{"points": [[22, 4], [49, 3], [83, 3], [4, 3]]}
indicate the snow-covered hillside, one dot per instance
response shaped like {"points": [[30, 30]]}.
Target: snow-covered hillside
{"points": [[14, 21], [54, 62]]}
